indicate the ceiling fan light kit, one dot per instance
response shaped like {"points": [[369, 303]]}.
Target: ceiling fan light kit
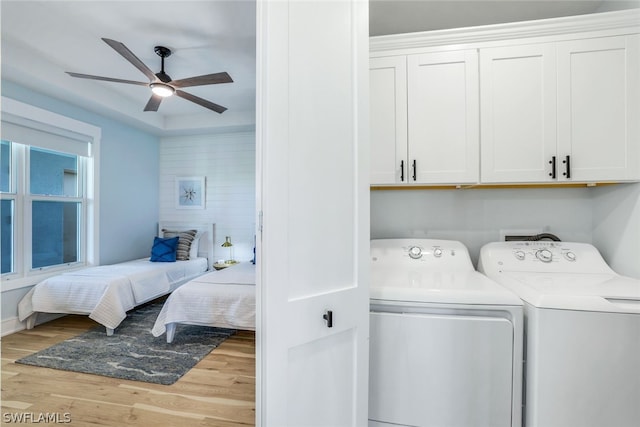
{"points": [[162, 89], [160, 83]]}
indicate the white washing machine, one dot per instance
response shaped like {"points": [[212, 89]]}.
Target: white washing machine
{"points": [[445, 341], [582, 333]]}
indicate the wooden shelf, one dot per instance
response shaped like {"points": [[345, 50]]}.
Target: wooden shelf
{"points": [[489, 186]]}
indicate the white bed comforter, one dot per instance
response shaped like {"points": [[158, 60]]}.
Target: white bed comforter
{"points": [[107, 292], [225, 299]]}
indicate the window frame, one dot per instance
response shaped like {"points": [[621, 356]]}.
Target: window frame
{"points": [[23, 274]]}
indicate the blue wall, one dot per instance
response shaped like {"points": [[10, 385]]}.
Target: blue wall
{"points": [[128, 190]]}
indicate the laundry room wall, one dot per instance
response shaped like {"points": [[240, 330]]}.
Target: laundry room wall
{"points": [[477, 216], [616, 226]]}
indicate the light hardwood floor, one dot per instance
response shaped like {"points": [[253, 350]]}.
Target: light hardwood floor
{"points": [[219, 391]]}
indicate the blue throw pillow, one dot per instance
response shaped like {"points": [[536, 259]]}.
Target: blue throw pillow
{"points": [[164, 250]]}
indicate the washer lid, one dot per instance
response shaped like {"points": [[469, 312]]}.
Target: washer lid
{"points": [[467, 287], [575, 291]]}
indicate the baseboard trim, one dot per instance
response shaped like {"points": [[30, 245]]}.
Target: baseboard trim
{"points": [[13, 324]]}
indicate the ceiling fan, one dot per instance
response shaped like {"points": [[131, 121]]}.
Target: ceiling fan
{"points": [[160, 83]]}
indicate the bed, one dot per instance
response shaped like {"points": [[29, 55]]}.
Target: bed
{"points": [[224, 299], [105, 293]]}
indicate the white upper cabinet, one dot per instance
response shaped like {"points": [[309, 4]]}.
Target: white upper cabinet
{"points": [[561, 112], [598, 108], [552, 101], [388, 119], [424, 118], [443, 117], [518, 113]]}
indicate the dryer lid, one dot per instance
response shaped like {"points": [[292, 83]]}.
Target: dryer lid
{"points": [[466, 287], [575, 291], [420, 255]]}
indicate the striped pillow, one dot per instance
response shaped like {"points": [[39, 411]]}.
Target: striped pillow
{"points": [[184, 242]]}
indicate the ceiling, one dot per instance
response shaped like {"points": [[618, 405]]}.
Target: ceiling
{"points": [[407, 16], [43, 39]]}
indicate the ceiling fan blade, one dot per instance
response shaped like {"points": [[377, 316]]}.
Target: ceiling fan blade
{"points": [[129, 56], [203, 102], [106, 79], [207, 79], [154, 103]]}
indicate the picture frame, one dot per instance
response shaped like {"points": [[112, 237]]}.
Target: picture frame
{"points": [[190, 192]]}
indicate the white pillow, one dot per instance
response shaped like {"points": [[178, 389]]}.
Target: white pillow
{"points": [[193, 251]]}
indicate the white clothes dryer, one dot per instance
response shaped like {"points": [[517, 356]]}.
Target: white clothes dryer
{"points": [[445, 341], [582, 333]]}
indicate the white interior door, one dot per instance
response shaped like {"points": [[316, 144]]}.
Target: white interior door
{"points": [[313, 241]]}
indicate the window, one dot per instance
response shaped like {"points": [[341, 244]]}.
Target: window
{"points": [[51, 209], [6, 238], [47, 194], [7, 211]]}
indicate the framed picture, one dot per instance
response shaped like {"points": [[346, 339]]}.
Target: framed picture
{"points": [[190, 192]]}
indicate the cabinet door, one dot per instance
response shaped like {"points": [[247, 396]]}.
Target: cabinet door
{"points": [[388, 120], [443, 117], [518, 113], [598, 114]]}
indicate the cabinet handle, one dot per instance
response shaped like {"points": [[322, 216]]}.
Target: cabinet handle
{"points": [[552, 162], [414, 170], [401, 170], [567, 162]]}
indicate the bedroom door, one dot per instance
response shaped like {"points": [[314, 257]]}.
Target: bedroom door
{"points": [[313, 203]]}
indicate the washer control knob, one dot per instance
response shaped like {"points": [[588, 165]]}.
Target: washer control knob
{"points": [[544, 255], [415, 252], [519, 255], [570, 256], [437, 252]]}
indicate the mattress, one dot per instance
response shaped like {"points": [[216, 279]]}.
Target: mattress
{"points": [[224, 298], [107, 292]]}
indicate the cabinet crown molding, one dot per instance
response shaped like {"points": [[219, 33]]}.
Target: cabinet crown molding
{"points": [[596, 22]]}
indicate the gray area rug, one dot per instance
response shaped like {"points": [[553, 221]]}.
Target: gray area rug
{"points": [[132, 353]]}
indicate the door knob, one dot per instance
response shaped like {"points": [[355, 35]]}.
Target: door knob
{"points": [[328, 317]]}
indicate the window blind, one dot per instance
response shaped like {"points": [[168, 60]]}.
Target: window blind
{"points": [[30, 132]]}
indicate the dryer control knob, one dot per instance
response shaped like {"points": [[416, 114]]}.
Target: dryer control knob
{"points": [[437, 252], [415, 252], [570, 256], [544, 255], [520, 255]]}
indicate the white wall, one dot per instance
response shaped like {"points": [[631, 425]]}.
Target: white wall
{"points": [[476, 216], [228, 163], [607, 217], [616, 227]]}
